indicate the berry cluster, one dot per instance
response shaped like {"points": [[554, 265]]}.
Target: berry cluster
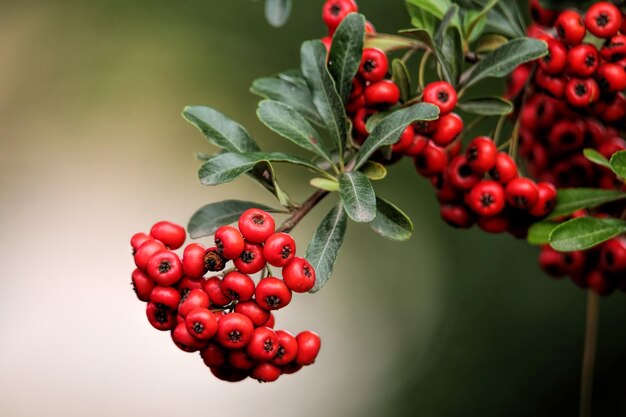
{"points": [[573, 99], [227, 317]]}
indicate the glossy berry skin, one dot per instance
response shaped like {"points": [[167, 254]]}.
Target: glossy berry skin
{"points": [[145, 252], [240, 359], [554, 85], [542, 15], [256, 225], [570, 27], [187, 284], [374, 65], [603, 19], [279, 249], [299, 275], [213, 355], [551, 262], [448, 127], [581, 92], [193, 260], [611, 77], [613, 255], [142, 284], [555, 61], [165, 268], [257, 314], [405, 140], [234, 331], [504, 170], [583, 60], [457, 216], [271, 322], [431, 161], [334, 11], [165, 297], [486, 198], [237, 286], [521, 193], [460, 174], [265, 372], [184, 340], [201, 323], [138, 239], [481, 154], [418, 144], [229, 242], [287, 348], [171, 234], [442, 95], [160, 318], [251, 259], [213, 288], [494, 224], [566, 136], [546, 200], [383, 93], [615, 48], [263, 344], [272, 293], [309, 344], [195, 299]]}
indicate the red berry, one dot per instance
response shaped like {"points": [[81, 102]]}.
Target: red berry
{"points": [[554, 85], [418, 144], [521, 193], [272, 293], [195, 299], [614, 49], [546, 200], [542, 15], [583, 60], [517, 81], [145, 252], [599, 283], [160, 318], [486, 198], [229, 373], [234, 331], [165, 268], [270, 323], [290, 368], [360, 120], [251, 259], [138, 239], [481, 154], [237, 286], [613, 255], [374, 65], [457, 216], [431, 161], [240, 359], [213, 288], [461, 175], [213, 355], [299, 275], [581, 93], [504, 170], [257, 314], [256, 225], [265, 372], [201, 323], [309, 344], [287, 348], [213, 261], [165, 297], [442, 95], [448, 127], [186, 285], [184, 340], [405, 140], [279, 249], [263, 345], [193, 260], [229, 242], [555, 61], [551, 262], [383, 93], [328, 42], [570, 27], [171, 234], [611, 77], [603, 19], [494, 224], [334, 11], [142, 285]]}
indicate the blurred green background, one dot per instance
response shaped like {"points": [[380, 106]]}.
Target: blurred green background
{"points": [[94, 149]]}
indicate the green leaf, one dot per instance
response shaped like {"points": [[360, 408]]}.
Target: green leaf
{"points": [[325, 97], [508, 14], [474, 22], [227, 166], [284, 120], [487, 106], [357, 196], [505, 59], [437, 8], [400, 76], [390, 43], [325, 245], [573, 199], [391, 222], [566, 4], [325, 184], [209, 218], [374, 170], [489, 42], [346, 52], [539, 233], [277, 12], [449, 49], [291, 90], [618, 163], [597, 158], [421, 19], [388, 131], [219, 129], [263, 173], [585, 232]]}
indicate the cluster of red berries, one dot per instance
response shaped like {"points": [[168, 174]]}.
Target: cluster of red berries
{"points": [[573, 99], [227, 318]]}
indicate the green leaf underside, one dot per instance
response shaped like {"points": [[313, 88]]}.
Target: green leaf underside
{"points": [[345, 53], [325, 97], [585, 232], [487, 106], [539, 233], [573, 199], [449, 50], [220, 130], [506, 19], [263, 173], [597, 158], [325, 245], [209, 218], [374, 170], [391, 222], [490, 42], [291, 90], [506, 58], [388, 131], [402, 78], [618, 163], [225, 167], [277, 12], [288, 123], [390, 43], [357, 196], [325, 184]]}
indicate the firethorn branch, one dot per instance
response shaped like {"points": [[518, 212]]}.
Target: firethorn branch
{"points": [[589, 354], [302, 211]]}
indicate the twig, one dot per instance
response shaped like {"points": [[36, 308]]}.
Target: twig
{"points": [[589, 354], [302, 211]]}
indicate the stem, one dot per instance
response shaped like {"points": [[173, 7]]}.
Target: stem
{"points": [[589, 354], [499, 127], [422, 69], [302, 211]]}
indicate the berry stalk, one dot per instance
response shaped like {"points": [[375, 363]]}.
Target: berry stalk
{"points": [[589, 355]]}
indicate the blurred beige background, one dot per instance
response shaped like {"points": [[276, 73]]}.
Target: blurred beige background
{"points": [[93, 149]]}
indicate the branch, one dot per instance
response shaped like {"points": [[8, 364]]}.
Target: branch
{"points": [[302, 211]]}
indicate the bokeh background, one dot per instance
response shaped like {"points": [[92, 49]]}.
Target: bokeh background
{"points": [[93, 149]]}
